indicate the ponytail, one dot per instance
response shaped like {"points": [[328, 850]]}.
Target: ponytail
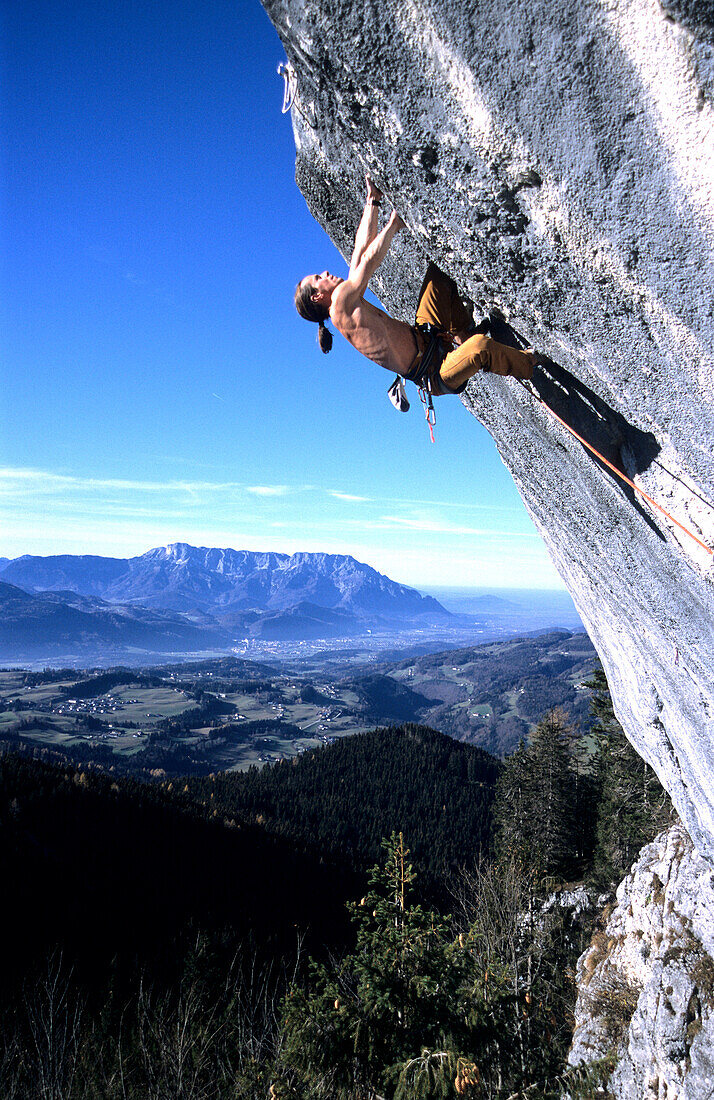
{"points": [[324, 338], [311, 311]]}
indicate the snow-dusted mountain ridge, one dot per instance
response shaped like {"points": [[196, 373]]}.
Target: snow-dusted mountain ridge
{"points": [[180, 577]]}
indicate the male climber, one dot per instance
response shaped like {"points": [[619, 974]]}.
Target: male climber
{"points": [[440, 352]]}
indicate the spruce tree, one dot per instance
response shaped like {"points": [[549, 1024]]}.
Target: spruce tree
{"points": [[511, 809], [355, 1025], [415, 1013], [534, 812], [553, 783], [633, 806]]}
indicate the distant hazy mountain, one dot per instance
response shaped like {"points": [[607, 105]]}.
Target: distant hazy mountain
{"points": [[305, 620], [186, 578], [46, 623], [86, 574]]}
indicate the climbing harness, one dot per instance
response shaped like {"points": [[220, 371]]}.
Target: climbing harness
{"points": [[287, 72], [422, 375], [610, 466]]}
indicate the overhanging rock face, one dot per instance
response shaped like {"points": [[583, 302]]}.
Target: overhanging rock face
{"points": [[558, 161]]}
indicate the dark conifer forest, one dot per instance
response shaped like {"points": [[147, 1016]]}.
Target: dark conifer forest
{"points": [[344, 798], [372, 919]]}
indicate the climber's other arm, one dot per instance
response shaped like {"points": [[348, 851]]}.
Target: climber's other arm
{"points": [[367, 229], [352, 289]]}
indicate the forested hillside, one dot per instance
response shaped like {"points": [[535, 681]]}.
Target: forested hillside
{"points": [[493, 695], [154, 935], [153, 946], [345, 797], [105, 867]]}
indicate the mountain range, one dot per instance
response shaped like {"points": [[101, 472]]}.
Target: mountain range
{"points": [[181, 597], [45, 624]]}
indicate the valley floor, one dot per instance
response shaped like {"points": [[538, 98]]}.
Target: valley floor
{"points": [[232, 713]]}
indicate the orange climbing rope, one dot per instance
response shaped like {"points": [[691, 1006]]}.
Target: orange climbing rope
{"points": [[619, 473]]}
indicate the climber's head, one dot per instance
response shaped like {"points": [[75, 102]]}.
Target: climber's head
{"points": [[313, 296]]}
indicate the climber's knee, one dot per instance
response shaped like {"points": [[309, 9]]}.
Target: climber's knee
{"points": [[475, 354], [480, 350], [464, 362], [434, 306], [508, 361]]}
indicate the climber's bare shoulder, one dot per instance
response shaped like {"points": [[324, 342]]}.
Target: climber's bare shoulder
{"points": [[372, 331]]}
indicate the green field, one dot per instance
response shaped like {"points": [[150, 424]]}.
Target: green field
{"points": [[11, 689], [490, 695], [130, 711], [147, 706]]}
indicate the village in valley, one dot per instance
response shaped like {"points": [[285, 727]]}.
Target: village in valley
{"points": [[231, 713]]}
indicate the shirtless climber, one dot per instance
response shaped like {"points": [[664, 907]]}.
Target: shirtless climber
{"points": [[440, 352]]}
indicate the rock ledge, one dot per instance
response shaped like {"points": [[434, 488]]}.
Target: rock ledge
{"points": [[646, 983]]}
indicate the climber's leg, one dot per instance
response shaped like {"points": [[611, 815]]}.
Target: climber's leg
{"points": [[483, 353], [441, 305]]}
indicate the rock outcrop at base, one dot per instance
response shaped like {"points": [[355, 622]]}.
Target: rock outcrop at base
{"points": [[646, 983], [557, 160]]}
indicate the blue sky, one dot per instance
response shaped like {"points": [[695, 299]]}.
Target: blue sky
{"points": [[157, 384]]}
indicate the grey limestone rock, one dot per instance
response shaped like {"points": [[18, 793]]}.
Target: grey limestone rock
{"points": [[646, 983], [557, 160]]}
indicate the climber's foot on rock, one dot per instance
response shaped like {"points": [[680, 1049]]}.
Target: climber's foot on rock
{"points": [[536, 358]]}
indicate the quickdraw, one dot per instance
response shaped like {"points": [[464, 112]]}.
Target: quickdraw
{"points": [[287, 72], [422, 375], [429, 411], [290, 100]]}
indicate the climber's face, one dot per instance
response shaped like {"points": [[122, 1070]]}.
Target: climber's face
{"points": [[323, 286]]}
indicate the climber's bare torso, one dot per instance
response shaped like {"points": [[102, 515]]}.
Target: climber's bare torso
{"points": [[370, 330]]}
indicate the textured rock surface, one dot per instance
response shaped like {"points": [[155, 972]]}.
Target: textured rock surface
{"points": [[646, 984], [557, 160]]}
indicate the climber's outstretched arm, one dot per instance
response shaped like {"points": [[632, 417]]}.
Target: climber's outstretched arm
{"points": [[351, 291], [367, 229]]}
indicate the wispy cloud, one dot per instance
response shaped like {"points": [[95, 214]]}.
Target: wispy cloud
{"points": [[13, 479], [348, 496], [461, 506], [24, 480], [417, 542], [268, 490], [441, 527]]}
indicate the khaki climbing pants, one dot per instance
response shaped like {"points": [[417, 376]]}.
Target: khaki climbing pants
{"points": [[441, 305]]}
